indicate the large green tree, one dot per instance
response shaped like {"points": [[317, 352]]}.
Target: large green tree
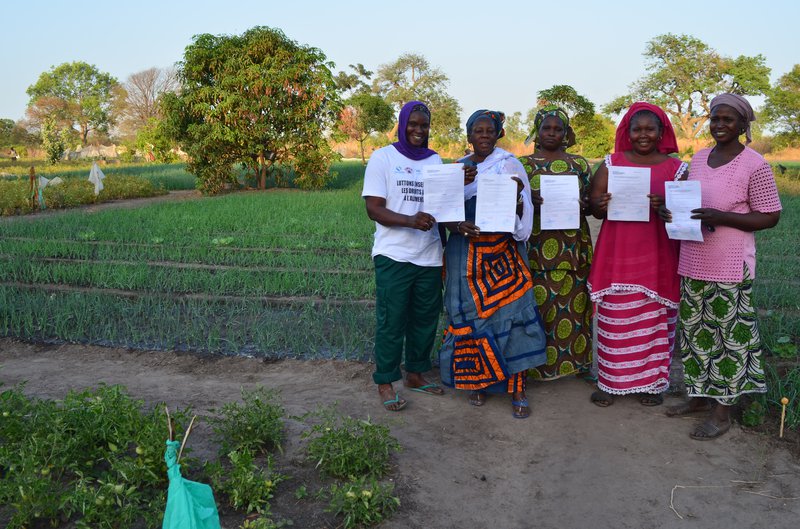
{"points": [[782, 108], [259, 99], [594, 133], [75, 95], [684, 74], [364, 114], [411, 77]]}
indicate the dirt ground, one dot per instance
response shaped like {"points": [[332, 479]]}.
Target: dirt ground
{"points": [[570, 465]]}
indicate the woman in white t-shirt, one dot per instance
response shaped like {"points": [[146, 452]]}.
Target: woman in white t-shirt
{"points": [[407, 253]]}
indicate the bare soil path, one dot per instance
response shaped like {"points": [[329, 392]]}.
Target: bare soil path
{"points": [[570, 465]]}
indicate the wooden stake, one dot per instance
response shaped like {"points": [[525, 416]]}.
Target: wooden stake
{"points": [[784, 402], [169, 422], [185, 437]]}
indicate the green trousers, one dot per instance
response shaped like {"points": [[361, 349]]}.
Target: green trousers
{"points": [[409, 301]]}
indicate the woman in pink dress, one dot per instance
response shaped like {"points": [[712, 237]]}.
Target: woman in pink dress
{"points": [[634, 279], [719, 340]]}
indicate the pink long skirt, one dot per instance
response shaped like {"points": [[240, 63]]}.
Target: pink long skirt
{"points": [[635, 335]]}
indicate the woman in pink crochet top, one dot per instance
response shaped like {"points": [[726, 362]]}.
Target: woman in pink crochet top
{"points": [[718, 338], [634, 276]]}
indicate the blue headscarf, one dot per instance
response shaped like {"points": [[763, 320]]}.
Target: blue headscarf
{"points": [[495, 115], [403, 146]]}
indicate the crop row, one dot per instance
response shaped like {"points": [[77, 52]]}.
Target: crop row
{"points": [[240, 326], [299, 258], [143, 277]]}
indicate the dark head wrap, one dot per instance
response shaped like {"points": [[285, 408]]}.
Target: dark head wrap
{"points": [[403, 146], [551, 110], [666, 145], [740, 105], [495, 115]]}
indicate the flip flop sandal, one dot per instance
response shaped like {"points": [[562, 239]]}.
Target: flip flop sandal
{"points": [[602, 399], [477, 398], [685, 409], [650, 399], [708, 431], [520, 409], [430, 389], [396, 400]]}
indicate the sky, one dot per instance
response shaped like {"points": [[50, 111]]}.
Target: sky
{"points": [[497, 55]]}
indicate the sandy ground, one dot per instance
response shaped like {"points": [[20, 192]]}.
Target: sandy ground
{"points": [[570, 465]]}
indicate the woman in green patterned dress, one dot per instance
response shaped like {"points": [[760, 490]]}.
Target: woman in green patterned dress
{"points": [[560, 259]]}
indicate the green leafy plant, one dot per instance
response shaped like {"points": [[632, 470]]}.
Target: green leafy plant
{"points": [[246, 485], [95, 458], [362, 502], [753, 415], [784, 348], [256, 424], [345, 447], [265, 523]]}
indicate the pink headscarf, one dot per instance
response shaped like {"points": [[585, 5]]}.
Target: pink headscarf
{"points": [[666, 145]]}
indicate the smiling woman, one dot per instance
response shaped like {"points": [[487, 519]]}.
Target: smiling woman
{"points": [[494, 332], [407, 255], [719, 337], [634, 280]]}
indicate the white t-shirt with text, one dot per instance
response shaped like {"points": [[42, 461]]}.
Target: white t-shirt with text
{"points": [[398, 179]]}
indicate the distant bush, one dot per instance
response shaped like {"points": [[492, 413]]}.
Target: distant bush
{"points": [[15, 194]]}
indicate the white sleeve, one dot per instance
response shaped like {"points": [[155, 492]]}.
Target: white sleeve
{"points": [[376, 175], [522, 226]]}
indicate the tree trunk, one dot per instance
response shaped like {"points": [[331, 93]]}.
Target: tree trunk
{"points": [[262, 170], [361, 144]]}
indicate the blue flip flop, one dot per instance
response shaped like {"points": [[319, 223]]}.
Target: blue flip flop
{"points": [[426, 387], [396, 400], [524, 412]]}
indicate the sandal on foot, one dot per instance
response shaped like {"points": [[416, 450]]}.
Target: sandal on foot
{"points": [[477, 398], [520, 409], [651, 399], [602, 399], [395, 404], [686, 408], [708, 431], [430, 389]]}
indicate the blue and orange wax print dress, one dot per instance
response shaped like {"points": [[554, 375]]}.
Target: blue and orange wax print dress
{"points": [[494, 333]]}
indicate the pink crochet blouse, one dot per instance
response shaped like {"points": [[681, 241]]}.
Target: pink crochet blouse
{"points": [[744, 184]]}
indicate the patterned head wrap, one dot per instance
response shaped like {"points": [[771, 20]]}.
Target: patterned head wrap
{"points": [[402, 145], [740, 105], [551, 110], [495, 115], [666, 145]]}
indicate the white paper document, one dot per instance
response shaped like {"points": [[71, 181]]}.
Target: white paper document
{"points": [[629, 187], [561, 209], [681, 198], [496, 207], [443, 186]]}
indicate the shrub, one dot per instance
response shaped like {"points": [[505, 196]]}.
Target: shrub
{"points": [[256, 424], [246, 485], [362, 502], [345, 447]]}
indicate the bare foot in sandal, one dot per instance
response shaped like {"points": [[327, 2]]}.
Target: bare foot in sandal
{"points": [[602, 399], [692, 406], [392, 401], [477, 398], [416, 382], [717, 424]]}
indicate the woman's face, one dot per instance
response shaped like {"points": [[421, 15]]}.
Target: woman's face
{"points": [[645, 131], [483, 136], [551, 133], [725, 124], [418, 128]]}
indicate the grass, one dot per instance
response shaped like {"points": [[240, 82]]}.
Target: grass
{"points": [[277, 273], [164, 176]]}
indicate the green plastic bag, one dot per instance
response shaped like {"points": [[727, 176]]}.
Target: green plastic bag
{"points": [[190, 505]]}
